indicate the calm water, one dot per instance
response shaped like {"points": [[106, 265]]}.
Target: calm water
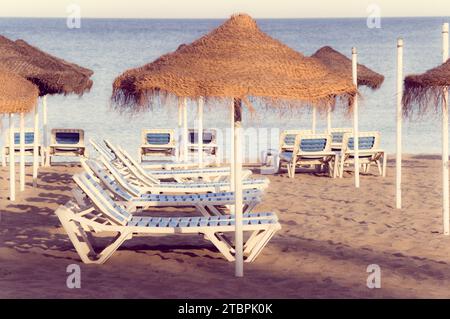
{"points": [[110, 46]]}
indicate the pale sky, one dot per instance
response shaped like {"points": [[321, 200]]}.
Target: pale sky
{"points": [[222, 8]]}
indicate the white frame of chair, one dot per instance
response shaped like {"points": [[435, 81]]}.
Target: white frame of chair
{"points": [[78, 150], [326, 157], [366, 157], [29, 148], [157, 150]]}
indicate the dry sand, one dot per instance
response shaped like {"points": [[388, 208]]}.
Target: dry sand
{"points": [[330, 233]]}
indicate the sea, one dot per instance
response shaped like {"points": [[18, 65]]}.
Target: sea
{"points": [[112, 46]]}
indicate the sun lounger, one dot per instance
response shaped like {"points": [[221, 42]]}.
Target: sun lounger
{"points": [[66, 142], [338, 135], [287, 139], [29, 145], [208, 204], [179, 175], [105, 216], [369, 152], [157, 143], [310, 149]]}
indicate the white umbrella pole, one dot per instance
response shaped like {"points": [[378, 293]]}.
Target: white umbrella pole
{"points": [[398, 161], [238, 201], [185, 131], [200, 132], [329, 119], [12, 171], [35, 145], [180, 125], [22, 152], [314, 114], [232, 163], [355, 116], [445, 173], [44, 129]]}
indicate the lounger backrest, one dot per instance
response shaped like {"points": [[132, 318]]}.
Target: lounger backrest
{"points": [[209, 136], [102, 200], [29, 137], [133, 166], [338, 134], [312, 143], [367, 141], [73, 137], [119, 177], [103, 151], [287, 138], [158, 137], [145, 174], [107, 179]]}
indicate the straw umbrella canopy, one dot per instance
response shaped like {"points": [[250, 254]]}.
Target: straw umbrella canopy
{"points": [[431, 88], [50, 74], [343, 65], [17, 95], [234, 61]]}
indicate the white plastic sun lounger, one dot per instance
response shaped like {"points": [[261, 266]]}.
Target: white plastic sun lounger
{"points": [[135, 185], [29, 145], [179, 175], [369, 152], [157, 143], [66, 142], [208, 204], [108, 217], [310, 149]]}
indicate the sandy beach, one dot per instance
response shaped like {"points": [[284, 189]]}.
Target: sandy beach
{"points": [[330, 233]]}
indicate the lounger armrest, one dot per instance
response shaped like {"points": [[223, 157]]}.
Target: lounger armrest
{"points": [[67, 146], [317, 153], [157, 146]]}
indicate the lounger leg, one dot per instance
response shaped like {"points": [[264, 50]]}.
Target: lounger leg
{"points": [[264, 239], [335, 167], [221, 246], [384, 164], [341, 169], [380, 169], [111, 249]]}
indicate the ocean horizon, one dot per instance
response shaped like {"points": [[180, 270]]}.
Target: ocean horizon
{"points": [[111, 46]]}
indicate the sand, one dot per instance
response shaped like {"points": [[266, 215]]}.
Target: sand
{"points": [[330, 233]]}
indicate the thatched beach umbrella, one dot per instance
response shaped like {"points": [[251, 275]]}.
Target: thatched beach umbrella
{"points": [[431, 88], [50, 74], [17, 95], [233, 63], [359, 73]]}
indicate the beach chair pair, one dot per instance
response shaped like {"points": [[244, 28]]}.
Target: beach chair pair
{"points": [[66, 143], [208, 204], [132, 177], [106, 216], [29, 145], [307, 150], [369, 152]]}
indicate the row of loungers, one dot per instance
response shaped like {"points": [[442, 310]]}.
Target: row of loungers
{"points": [[114, 191], [331, 151], [63, 143]]}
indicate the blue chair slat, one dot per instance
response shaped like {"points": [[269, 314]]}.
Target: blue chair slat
{"points": [[337, 137], [289, 139], [158, 138], [365, 143], [207, 137], [67, 138], [313, 145], [29, 138]]}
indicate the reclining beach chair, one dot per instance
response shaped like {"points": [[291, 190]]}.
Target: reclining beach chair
{"points": [[287, 139], [157, 143], [338, 135], [122, 157], [29, 145], [105, 216], [208, 204], [314, 149], [369, 152], [66, 142], [210, 147]]}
